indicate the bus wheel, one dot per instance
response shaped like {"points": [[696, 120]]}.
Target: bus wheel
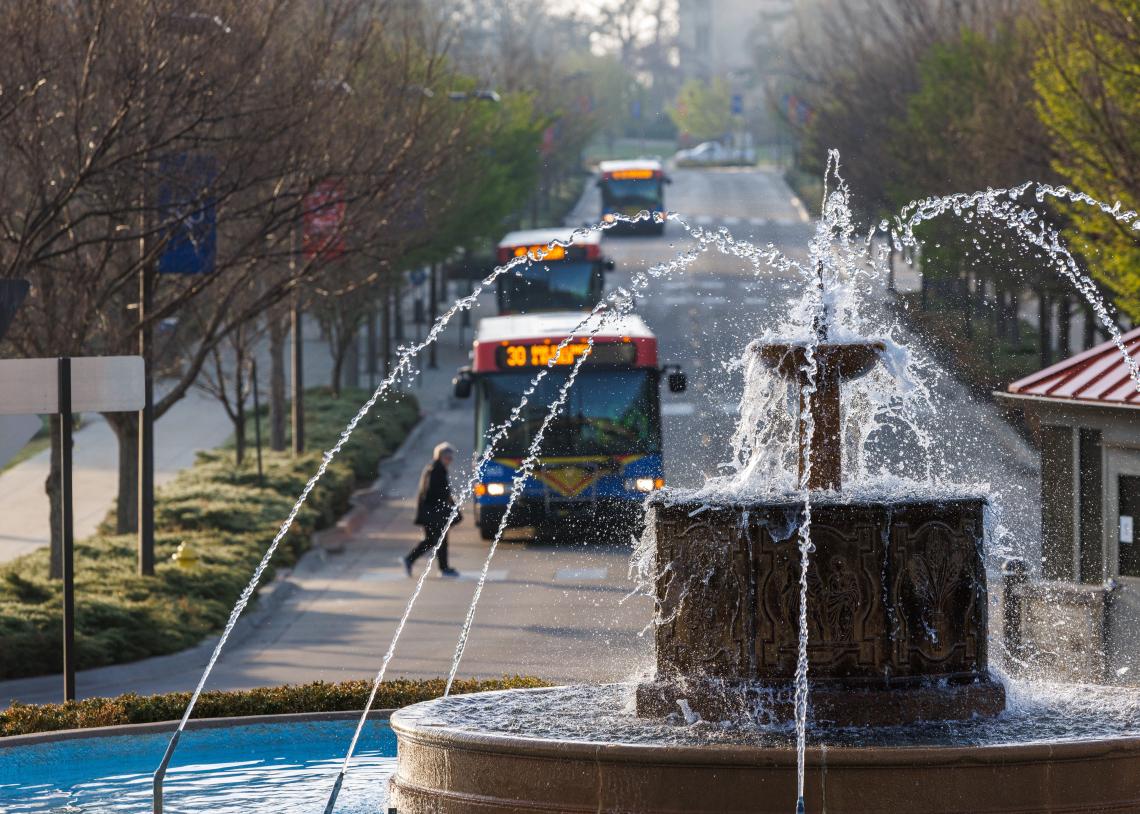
{"points": [[487, 528]]}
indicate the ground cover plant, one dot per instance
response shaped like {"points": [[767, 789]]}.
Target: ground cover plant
{"points": [[225, 515], [319, 696]]}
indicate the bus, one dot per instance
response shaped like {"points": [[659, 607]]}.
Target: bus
{"points": [[558, 278], [601, 455], [628, 187]]}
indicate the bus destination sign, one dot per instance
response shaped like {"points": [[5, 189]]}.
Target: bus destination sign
{"points": [[511, 356]]}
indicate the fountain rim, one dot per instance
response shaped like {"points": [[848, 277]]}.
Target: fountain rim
{"points": [[672, 497], [721, 754]]}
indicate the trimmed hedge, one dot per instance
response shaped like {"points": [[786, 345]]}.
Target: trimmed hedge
{"points": [[24, 719], [229, 520]]}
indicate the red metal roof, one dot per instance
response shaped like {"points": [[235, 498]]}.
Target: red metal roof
{"points": [[1099, 375]]}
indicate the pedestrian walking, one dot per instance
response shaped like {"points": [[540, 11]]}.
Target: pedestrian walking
{"points": [[434, 504]]}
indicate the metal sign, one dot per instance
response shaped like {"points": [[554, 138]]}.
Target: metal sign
{"points": [[99, 384], [12, 295], [187, 205]]}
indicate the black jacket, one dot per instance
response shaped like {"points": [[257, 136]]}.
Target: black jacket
{"points": [[434, 503]]}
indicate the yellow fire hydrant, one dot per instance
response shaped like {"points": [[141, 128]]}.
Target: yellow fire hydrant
{"points": [[185, 556]]}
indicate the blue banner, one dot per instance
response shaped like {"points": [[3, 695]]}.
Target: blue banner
{"points": [[187, 206]]}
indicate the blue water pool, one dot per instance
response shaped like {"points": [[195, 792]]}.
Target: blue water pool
{"points": [[273, 767]]}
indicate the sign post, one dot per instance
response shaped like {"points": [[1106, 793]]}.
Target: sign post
{"points": [[67, 527], [103, 384]]}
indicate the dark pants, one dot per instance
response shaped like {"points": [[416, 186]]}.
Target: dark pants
{"points": [[431, 535]]}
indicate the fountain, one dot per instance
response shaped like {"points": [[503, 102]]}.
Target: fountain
{"points": [[905, 712], [879, 593], [896, 599]]}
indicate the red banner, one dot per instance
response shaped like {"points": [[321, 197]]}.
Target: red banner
{"points": [[323, 221]]}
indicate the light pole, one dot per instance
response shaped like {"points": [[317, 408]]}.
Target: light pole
{"points": [[192, 24]]}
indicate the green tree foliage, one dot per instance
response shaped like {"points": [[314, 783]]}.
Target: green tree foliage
{"points": [[968, 126], [1088, 84], [703, 109]]}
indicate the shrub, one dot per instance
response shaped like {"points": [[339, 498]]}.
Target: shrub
{"points": [[319, 696], [225, 514]]}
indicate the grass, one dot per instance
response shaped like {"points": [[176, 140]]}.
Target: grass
{"points": [[25, 719], [228, 519]]}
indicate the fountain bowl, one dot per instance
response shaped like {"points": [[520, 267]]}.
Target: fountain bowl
{"points": [[446, 767]]}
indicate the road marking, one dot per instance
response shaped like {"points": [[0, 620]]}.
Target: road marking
{"points": [[581, 574], [493, 575], [731, 220], [759, 221], [757, 301], [677, 300], [711, 284], [703, 220], [678, 408]]}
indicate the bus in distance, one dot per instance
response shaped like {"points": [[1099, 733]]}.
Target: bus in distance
{"points": [[601, 455], [557, 278], [628, 187]]}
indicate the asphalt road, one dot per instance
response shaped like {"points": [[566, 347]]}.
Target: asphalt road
{"points": [[562, 611]]}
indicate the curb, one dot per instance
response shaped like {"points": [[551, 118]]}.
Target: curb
{"points": [[153, 727], [333, 540]]}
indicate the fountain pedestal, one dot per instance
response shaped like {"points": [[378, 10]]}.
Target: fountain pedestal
{"points": [[896, 597], [896, 611]]}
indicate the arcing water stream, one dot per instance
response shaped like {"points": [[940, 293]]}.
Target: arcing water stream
{"points": [[764, 461]]}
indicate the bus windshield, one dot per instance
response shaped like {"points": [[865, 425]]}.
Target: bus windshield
{"points": [[632, 190], [567, 285], [607, 412]]}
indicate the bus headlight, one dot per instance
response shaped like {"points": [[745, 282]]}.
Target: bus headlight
{"points": [[644, 484], [496, 489], [609, 217]]}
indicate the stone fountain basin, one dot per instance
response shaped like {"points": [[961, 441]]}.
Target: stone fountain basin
{"points": [[443, 768]]}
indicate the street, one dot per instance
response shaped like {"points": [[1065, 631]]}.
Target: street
{"points": [[561, 612]]}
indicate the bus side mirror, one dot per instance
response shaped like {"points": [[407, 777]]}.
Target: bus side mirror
{"points": [[677, 382], [609, 264], [667, 179], [461, 384]]}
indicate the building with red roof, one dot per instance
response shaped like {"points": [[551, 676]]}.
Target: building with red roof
{"points": [[1084, 413]]}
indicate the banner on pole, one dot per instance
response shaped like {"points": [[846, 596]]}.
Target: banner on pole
{"points": [[187, 206], [322, 222]]}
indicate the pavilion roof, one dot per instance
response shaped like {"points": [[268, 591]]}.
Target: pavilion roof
{"points": [[1099, 375]]}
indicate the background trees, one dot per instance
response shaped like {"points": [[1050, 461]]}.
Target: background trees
{"points": [[129, 128], [927, 97], [702, 110], [1088, 97]]}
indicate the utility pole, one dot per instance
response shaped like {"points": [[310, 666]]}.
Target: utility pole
{"points": [[298, 378], [146, 420], [67, 527], [433, 306]]}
